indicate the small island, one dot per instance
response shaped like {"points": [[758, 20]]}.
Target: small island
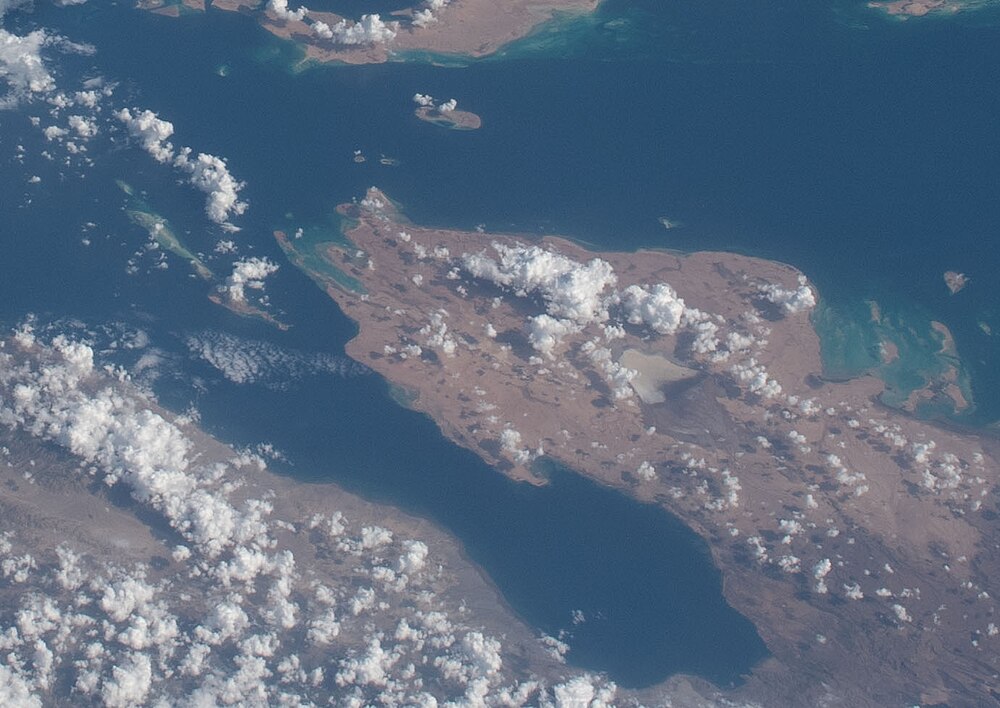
{"points": [[955, 281], [445, 114], [845, 529], [172, 8], [233, 292], [248, 276], [904, 9], [160, 232]]}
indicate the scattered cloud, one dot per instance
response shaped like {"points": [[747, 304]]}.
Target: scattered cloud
{"points": [[794, 300], [427, 13], [247, 361], [427, 101], [258, 601], [280, 9], [207, 173], [152, 133], [570, 289], [249, 272], [370, 29], [22, 66]]}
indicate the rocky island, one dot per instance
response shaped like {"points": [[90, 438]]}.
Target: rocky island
{"points": [[904, 9], [856, 538], [955, 281], [445, 113]]}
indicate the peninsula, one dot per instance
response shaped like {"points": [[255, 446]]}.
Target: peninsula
{"points": [[855, 537]]}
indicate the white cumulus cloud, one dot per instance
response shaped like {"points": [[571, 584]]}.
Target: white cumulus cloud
{"points": [[250, 273], [207, 173], [370, 29]]}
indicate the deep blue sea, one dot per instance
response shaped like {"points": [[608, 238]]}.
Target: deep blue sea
{"points": [[862, 150]]}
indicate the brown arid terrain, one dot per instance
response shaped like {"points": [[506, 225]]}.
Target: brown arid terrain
{"points": [[859, 540], [452, 120], [465, 28], [904, 9]]}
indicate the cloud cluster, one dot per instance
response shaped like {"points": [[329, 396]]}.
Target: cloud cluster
{"points": [[246, 361], [569, 289], [135, 446], [207, 173], [427, 14], [27, 75], [280, 9], [578, 294], [210, 175], [659, 308], [796, 300], [546, 332], [151, 131], [573, 293], [248, 272], [22, 66], [756, 378], [357, 615], [426, 101], [370, 29]]}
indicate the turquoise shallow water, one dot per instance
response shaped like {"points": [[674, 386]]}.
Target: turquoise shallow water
{"points": [[860, 150]]}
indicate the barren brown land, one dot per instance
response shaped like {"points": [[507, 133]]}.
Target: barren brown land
{"points": [[860, 541], [243, 308], [916, 8], [955, 281], [172, 8], [453, 120], [469, 28]]}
